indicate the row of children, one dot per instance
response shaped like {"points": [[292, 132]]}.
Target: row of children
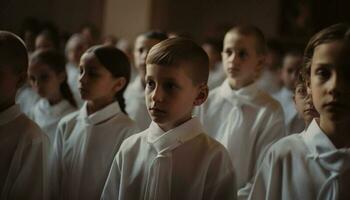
{"points": [[224, 149]]}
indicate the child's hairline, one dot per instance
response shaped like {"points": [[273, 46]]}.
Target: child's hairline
{"points": [[179, 65], [236, 31]]}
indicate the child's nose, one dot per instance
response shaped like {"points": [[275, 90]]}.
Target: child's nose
{"points": [[158, 95], [337, 83]]}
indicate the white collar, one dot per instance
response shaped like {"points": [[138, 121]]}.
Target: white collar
{"points": [[45, 107], [243, 95], [100, 115], [323, 150], [175, 137], [10, 114]]}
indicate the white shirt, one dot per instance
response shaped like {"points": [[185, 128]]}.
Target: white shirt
{"points": [[26, 98], [23, 157], [245, 121], [86, 146], [216, 76], [73, 74], [135, 104], [182, 163], [47, 116], [304, 166], [294, 123]]}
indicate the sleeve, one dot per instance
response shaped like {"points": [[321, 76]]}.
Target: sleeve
{"points": [[112, 185], [220, 183], [268, 180]]}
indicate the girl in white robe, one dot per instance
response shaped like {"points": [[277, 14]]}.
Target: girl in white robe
{"points": [[87, 141], [316, 163], [47, 75]]}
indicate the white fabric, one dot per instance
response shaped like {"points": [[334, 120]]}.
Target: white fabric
{"points": [[73, 74], [303, 166], [47, 116], [216, 76], [23, 157], [294, 123], [26, 97], [85, 147], [182, 163], [135, 104], [245, 121], [269, 82]]}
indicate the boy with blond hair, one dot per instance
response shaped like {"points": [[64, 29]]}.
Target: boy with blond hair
{"points": [[173, 158]]}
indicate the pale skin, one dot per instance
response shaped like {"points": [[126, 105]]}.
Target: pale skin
{"points": [[171, 95], [242, 63], [96, 84], [330, 88]]}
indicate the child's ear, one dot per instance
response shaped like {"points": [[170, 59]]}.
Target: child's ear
{"points": [[22, 78], [119, 84], [202, 95], [260, 65]]}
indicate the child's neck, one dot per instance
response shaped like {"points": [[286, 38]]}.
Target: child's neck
{"points": [[237, 85], [94, 106], [55, 99], [337, 132]]}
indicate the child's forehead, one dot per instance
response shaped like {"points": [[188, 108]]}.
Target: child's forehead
{"points": [[336, 51], [169, 71], [239, 40]]}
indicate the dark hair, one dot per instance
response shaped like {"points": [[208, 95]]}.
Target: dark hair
{"points": [[55, 61], [13, 52], [52, 35], [300, 80], [254, 31], [117, 63], [173, 51], [155, 35], [332, 33], [215, 43]]}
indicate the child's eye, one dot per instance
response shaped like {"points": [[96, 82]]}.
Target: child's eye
{"points": [[150, 84], [44, 77], [170, 86], [323, 73], [228, 52], [242, 54]]}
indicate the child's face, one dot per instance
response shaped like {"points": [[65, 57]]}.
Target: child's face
{"points": [[330, 81], [240, 59], [141, 49], [42, 42], [45, 81], [303, 104], [171, 95], [96, 83], [9, 83], [291, 63]]}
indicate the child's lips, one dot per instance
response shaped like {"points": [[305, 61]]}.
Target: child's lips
{"points": [[156, 111]]}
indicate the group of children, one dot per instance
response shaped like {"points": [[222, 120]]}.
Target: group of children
{"points": [[90, 134]]}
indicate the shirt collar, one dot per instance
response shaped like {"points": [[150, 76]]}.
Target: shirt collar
{"points": [[316, 139], [100, 115], [56, 109], [240, 96], [10, 114], [173, 138]]}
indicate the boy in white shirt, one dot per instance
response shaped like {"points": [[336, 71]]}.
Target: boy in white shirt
{"points": [[316, 163], [23, 146], [173, 158], [239, 115], [135, 92], [291, 63]]}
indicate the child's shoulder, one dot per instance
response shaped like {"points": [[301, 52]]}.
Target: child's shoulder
{"points": [[134, 141], [210, 145], [31, 131], [289, 147], [266, 100]]}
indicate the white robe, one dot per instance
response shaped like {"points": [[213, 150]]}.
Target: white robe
{"points": [[23, 158], [269, 82], [182, 163], [73, 74], [47, 116], [26, 98], [245, 121], [304, 166], [294, 123], [85, 147], [135, 104]]}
